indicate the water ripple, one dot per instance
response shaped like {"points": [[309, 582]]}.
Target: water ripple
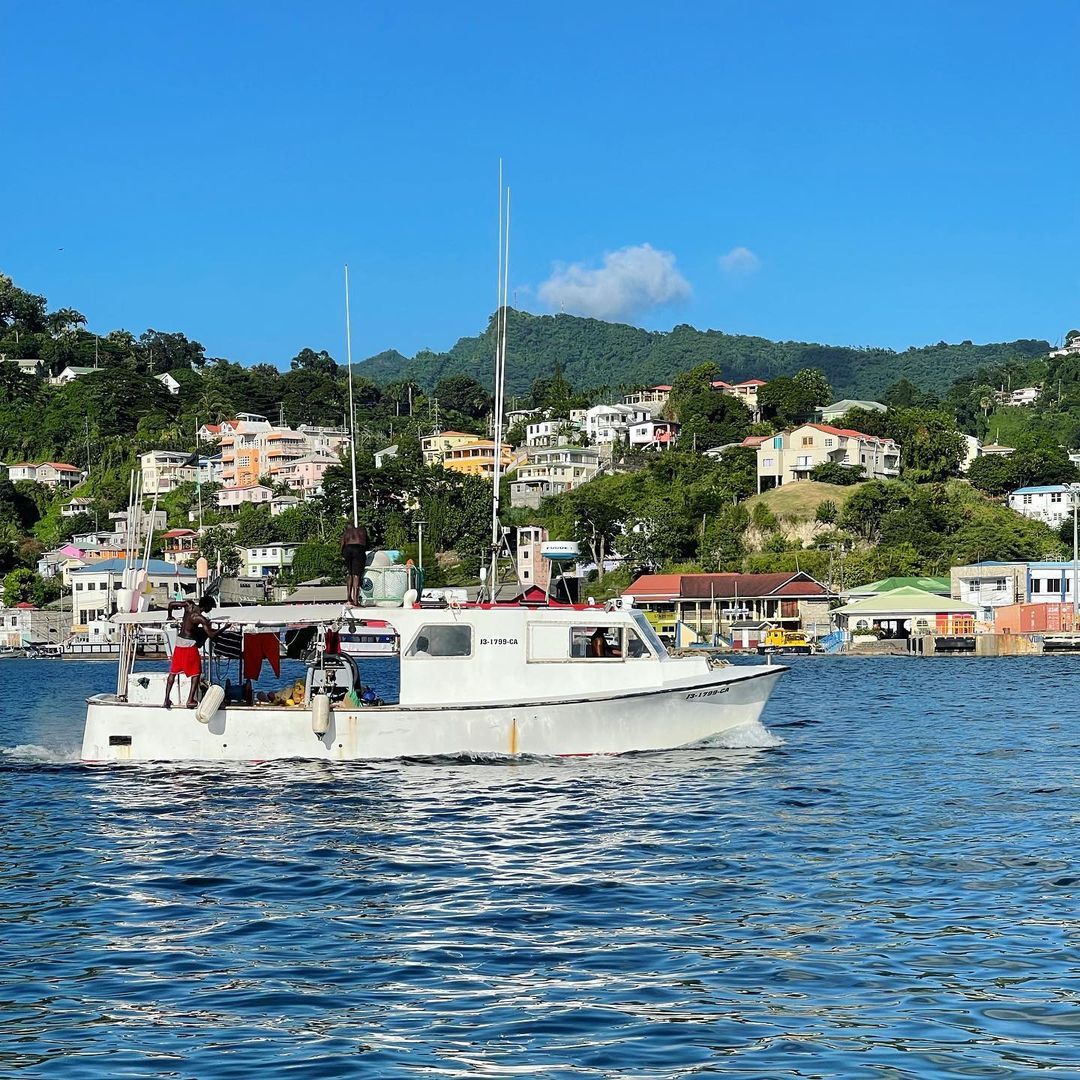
{"points": [[882, 884]]}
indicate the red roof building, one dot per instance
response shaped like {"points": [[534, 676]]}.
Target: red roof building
{"points": [[711, 603]]}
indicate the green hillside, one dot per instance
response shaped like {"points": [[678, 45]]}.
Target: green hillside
{"points": [[598, 354]]}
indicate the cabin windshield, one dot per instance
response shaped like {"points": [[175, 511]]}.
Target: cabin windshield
{"points": [[649, 634], [434, 639]]}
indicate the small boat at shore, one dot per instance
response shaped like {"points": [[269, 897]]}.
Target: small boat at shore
{"points": [[484, 679]]}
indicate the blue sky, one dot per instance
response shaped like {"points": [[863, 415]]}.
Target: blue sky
{"points": [[853, 173]]}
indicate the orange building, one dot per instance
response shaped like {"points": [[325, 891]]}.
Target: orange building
{"points": [[477, 457], [436, 447]]}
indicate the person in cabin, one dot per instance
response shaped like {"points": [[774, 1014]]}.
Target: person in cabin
{"points": [[598, 645], [421, 647], [354, 549], [195, 628]]}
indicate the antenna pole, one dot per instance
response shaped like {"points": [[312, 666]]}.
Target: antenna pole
{"points": [[352, 412]]}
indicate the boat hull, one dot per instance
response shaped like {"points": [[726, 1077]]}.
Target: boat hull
{"points": [[665, 718]]}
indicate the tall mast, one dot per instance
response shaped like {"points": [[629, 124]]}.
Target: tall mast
{"points": [[500, 381], [352, 412]]}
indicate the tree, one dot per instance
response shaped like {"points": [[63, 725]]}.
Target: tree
{"points": [[20, 586], [794, 400], [994, 474], [832, 472], [464, 395], [827, 512], [310, 360], [218, 547], [709, 419]]}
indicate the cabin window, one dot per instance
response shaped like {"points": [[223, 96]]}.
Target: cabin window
{"points": [[635, 647], [596, 643], [435, 639]]}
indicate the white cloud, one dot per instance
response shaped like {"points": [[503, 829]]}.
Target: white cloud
{"points": [[739, 262], [631, 282]]}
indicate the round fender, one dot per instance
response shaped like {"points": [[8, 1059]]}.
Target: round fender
{"points": [[320, 714], [210, 704]]}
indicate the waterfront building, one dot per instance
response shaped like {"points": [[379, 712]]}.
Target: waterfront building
{"points": [[989, 585], [1050, 582], [552, 470], [23, 625], [940, 586], [710, 603], [266, 560], [1049, 503], [906, 612], [792, 455], [95, 586]]}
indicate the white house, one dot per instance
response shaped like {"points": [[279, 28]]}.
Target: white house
{"points": [[971, 450], [266, 560], [233, 498], [548, 432], [76, 507], [990, 585], [608, 423], [165, 470], [384, 455], [26, 365], [69, 375], [1050, 582], [1049, 503], [169, 383], [1026, 395], [280, 503], [552, 470], [654, 434], [94, 586], [53, 474]]}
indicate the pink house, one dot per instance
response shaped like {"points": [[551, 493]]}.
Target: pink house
{"points": [[233, 498], [306, 473]]}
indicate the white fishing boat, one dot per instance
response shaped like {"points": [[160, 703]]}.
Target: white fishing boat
{"points": [[479, 680]]}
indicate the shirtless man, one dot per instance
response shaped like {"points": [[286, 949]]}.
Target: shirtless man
{"points": [[354, 545], [186, 659]]}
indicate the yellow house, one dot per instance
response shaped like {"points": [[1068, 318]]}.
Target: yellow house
{"points": [[436, 447], [477, 457]]}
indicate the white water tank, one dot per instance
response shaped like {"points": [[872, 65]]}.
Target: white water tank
{"points": [[560, 550]]}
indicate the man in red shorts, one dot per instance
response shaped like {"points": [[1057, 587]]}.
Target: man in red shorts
{"points": [[186, 659]]}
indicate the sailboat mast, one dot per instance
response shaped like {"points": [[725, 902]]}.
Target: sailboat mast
{"points": [[352, 412], [500, 372]]}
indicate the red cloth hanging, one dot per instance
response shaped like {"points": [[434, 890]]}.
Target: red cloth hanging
{"points": [[258, 647], [333, 641]]}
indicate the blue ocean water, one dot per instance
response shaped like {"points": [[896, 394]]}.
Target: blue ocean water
{"points": [[886, 885]]}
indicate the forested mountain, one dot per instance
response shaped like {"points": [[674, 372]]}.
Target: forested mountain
{"points": [[595, 354]]}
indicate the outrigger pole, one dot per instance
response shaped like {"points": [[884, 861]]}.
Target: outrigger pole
{"points": [[352, 413]]}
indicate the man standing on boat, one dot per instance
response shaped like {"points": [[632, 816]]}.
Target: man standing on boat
{"points": [[354, 548], [186, 658]]}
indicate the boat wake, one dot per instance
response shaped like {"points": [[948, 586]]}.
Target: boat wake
{"points": [[753, 735], [32, 754]]}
